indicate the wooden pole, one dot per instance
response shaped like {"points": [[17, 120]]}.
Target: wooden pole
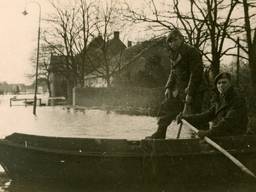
{"points": [[179, 130], [223, 151]]}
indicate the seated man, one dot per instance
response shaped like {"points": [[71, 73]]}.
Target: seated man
{"points": [[228, 113]]}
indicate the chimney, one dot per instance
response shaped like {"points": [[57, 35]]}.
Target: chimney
{"points": [[129, 44], [116, 34]]}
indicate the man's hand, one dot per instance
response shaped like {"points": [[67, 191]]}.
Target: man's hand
{"points": [[188, 99], [175, 93], [167, 93], [179, 118], [187, 106]]}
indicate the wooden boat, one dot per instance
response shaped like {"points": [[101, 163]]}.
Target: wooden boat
{"points": [[118, 161]]}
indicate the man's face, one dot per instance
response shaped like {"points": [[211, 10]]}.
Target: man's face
{"points": [[175, 42], [223, 85]]}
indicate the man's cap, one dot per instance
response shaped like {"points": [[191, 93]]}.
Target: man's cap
{"points": [[173, 33], [223, 75]]}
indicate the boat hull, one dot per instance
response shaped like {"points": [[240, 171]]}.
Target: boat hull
{"points": [[119, 162]]}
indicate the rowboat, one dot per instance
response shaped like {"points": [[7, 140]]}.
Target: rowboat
{"points": [[92, 161]]}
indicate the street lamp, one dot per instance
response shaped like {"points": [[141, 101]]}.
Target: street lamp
{"points": [[37, 54]]}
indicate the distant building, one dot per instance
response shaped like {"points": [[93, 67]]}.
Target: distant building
{"points": [[16, 88], [59, 73], [114, 49], [59, 84], [93, 80], [115, 45], [145, 64]]}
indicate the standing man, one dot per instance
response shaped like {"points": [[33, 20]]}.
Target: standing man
{"points": [[228, 112], [182, 87]]}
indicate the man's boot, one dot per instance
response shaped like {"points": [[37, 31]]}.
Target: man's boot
{"points": [[159, 134]]}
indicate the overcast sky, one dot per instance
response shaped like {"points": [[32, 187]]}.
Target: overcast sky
{"points": [[18, 38]]}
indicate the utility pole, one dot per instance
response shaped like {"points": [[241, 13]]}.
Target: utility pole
{"points": [[37, 54]]}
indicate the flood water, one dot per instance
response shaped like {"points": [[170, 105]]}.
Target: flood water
{"points": [[89, 123], [64, 122], [60, 121]]}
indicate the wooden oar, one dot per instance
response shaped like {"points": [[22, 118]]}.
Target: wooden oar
{"points": [[223, 151], [179, 130]]}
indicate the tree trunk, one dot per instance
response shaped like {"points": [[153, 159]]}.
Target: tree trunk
{"points": [[238, 64], [49, 87], [252, 65], [108, 81], [82, 75], [215, 67]]}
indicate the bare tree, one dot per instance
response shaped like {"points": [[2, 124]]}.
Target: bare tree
{"points": [[75, 27], [158, 20], [193, 25], [43, 65], [206, 23], [219, 25], [72, 26], [250, 39], [105, 60]]}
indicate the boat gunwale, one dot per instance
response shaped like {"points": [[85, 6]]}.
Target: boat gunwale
{"points": [[121, 154]]}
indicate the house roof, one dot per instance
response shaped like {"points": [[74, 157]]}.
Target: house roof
{"points": [[131, 55], [114, 46], [96, 43], [149, 48]]}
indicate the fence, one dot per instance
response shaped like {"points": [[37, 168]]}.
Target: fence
{"points": [[24, 101]]}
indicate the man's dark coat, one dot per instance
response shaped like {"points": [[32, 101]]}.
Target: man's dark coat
{"points": [[186, 70], [228, 115]]}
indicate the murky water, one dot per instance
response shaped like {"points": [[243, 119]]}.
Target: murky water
{"points": [[59, 121]]}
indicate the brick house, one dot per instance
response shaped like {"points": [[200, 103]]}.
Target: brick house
{"points": [[145, 64], [113, 51]]}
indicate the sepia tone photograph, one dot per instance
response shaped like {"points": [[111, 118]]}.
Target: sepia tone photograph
{"points": [[128, 95]]}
